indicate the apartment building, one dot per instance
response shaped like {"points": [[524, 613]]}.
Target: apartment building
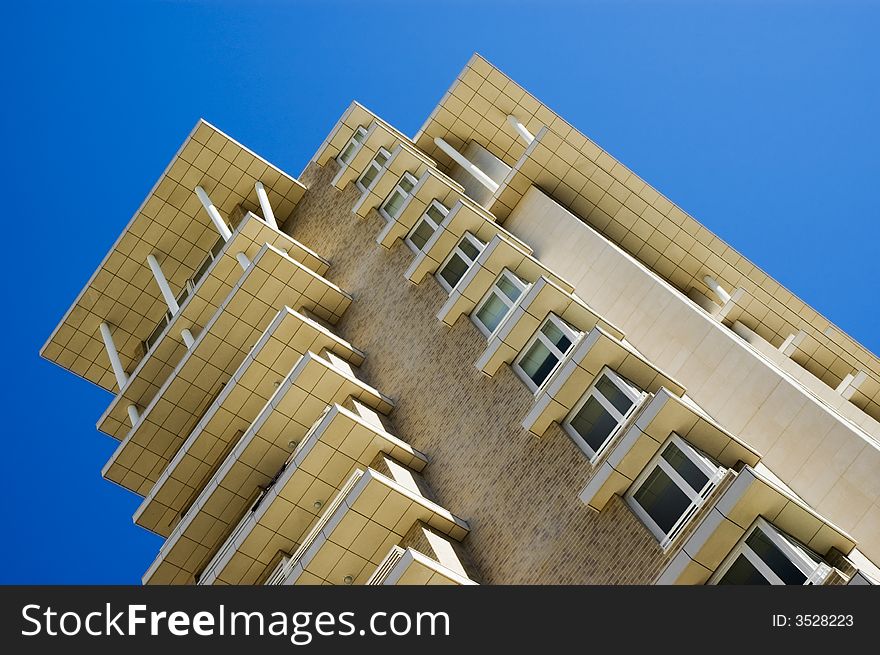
{"points": [[486, 354]]}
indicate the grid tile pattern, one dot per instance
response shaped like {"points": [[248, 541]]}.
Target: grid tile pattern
{"points": [[341, 443], [170, 222], [290, 336], [312, 385], [608, 196], [273, 280], [196, 311], [372, 517]]}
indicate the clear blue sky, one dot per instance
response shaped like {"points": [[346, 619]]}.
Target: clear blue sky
{"points": [[759, 118]]}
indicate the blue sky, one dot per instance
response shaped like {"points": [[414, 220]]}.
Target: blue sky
{"points": [[759, 118]]}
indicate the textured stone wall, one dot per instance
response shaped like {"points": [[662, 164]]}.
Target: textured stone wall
{"points": [[519, 493]]}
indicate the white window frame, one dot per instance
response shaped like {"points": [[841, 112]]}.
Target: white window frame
{"points": [[426, 218], [815, 570], [379, 169], [713, 472], [629, 389], [356, 141], [398, 188], [516, 281], [570, 332], [479, 245]]}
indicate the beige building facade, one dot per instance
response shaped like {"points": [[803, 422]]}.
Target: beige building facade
{"points": [[487, 354]]}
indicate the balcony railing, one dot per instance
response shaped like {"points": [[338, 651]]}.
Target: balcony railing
{"points": [[384, 569], [315, 532]]}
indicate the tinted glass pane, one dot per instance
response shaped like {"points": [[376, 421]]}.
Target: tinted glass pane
{"points": [[360, 135], [557, 337], [421, 234], [492, 311], [406, 184], [454, 270], [615, 396], [435, 214], [743, 572], [508, 288], [469, 249], [368, 176], [775, 558], [685, 467], [593, 423], [381, 158], [661, 498], [345, 157], [394, 203], [538, 363]]}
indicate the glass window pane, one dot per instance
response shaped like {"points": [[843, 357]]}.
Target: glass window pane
{"points": [[685, 467], [346, 155], [622, 403], [661, 498], [508, 288], [454, 270], [435, 214], [394, 203], [538, 363], [359, 135], [557, 337], [368, 176], [492, 311], [406, 184], [381, 158], [593, 423], [775, 558], [742, 571], [421, 234], [469, 248]]}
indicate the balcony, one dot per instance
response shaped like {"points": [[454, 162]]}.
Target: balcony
{"points": [[290, 336], [273, 280], [372, 513], [407, 566], [315, 382], [202, 295], [172, 224], [339, 443]]}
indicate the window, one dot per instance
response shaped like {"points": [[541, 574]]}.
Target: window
{"points": [[767, 556], [398, 196], [545, 350], [498, 301], [609, 401], [459, 261], [354, 144], [371, 172], [425, 227], [672, 487]]}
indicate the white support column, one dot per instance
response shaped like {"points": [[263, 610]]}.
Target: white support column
{"points": [[717, 289], [466, 164], [188, 338], [167, 294], [113, 354], [527, 136], [118, 371], [219, 223], [133, 415], [263, 197]]}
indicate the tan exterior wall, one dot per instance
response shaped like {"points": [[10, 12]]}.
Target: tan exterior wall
{"points": [[519, 494], [826, 460]]}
